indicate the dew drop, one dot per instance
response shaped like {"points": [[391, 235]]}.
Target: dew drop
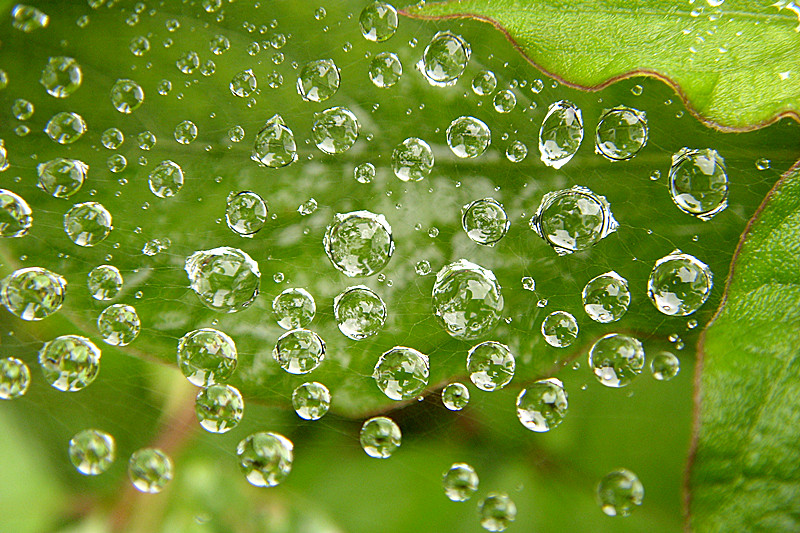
{"points": [[28, 19], [621, 133], [504, 101], [70, 362], [65, 127], [265, 458], [516, 152], [559, 329], [606, 297], [380, 437], [225, 279], [561, 134], [15, 378], [166, 179], [385, 70], [92, 451], [126, 96], [484, 83], [455, 397], [119, 324], [460, 482], [207, 356], [319, 80], [359, 312], [616, 359], [149, 470], [16, 216], [87, 224], [412, 159], [274, 145], [311, 400], [244, 83], [619, 493], [698, 182], [188, 62], [359, 243], [364, 173], [185, 132], [679, 284], [490, 365], [444, 59], [467, 299], [219, 408], [245, 213], [104, 282], [497, 511], [543, 405], [485, 221], [335, 130], [294, 308], [665, 366], [423, 267], [402, 373], [468, 137], [299, 351], [378, 21]]}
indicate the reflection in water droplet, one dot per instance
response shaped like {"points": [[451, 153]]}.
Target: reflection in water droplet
{"points": [[245, 213], [27, 18], [542, 406], [698, 182], [61, 178], [468, 137], [455, 397], [185, 132], [516, 152], [412, 159], [33, 293], [225, 279], [679, 284], [402, 373], [265, 458], [15, 378], [87, 224], [560, 329], [22, 109], [485, 221], [149, 469], [16, 216], [467, 299], [606, 297], [359, 312], [490, 365], [423, 267], [311, 400], [274, 145], [104, 282], [166, 179], [139, 45], [188, 62], [762, 163], [244, 83], [504, 101], [206, 356], [620, 492], [561, 134], [621, 133], [497, 511], [359, 243], [299, 351], [484, 82], [378, 21], [219, 408], [460, 482], [364, 173], [294, 308], [335, 130], [380, 437], [319, 80], [444, 59], [65, 127], [92, 451], [70, 363], [665, 366], [146, 140], [219, 44], [385, 70], [126, 96], [616, 359], [119, 324]]}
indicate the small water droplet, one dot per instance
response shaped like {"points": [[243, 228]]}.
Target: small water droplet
{"points": [[65, 127], [380, 437], [219, 408], [606, 297], [385, 70], [275, 145], [455, 397], [468, 137], [87, 224], [460, 482], [679, 284], [119, 324], [166, 179], [467, 299], [619, 493], [698, 182], [319, 80], [70, 362], [543, 405], [15, 378], [621, 133], [490, 365], [402, 373], [311, 400], [484, 83], [225, 279], [616, 359], [149, 470], [92, 451], [61, 178], [444, 59], [665, 366], [206, 356], [559, 329], [497, 511], [485, 221], [504, 101], [104, 282], [359, 312]]}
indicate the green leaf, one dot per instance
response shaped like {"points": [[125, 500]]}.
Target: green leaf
{"points": [[744, 475], [735, 64]]}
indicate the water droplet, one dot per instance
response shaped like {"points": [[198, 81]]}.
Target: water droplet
{"points": [[385, 70], [528, 283], [460, 482], [236, 134], [149, 469], [320, 13], [485, 221], [244, 83], [219, 408], [423, 267], [28, 19], [219, 44], [402, 373], [364, 173], [164, 87], [412, 159], [61, 178], [139, 45], [444, 59], [277, 277], [616, 359], [65, 127], [104, 282], [359, 243], [620, 492], [572, 220], [606, 297], [335, 130], [560, 329], [245, 213], [299, 351], [484, 83], [319, 80], [119, 324], [762, 163], [185, 132], [188, 62], [15, 215], [637, 90], [516, 152], [147, 140], [698, 182], [311, 400], [207, 356], [542, 406], [378, 21], [4, 164], [274, 145], [497, 511], [380, 437], [490, 365], [22, 109], [265, 458], [69, 362], [359, 312], [665, 366], [467, 299], [621, 133], [307, 207], [166, 179], [15, 378], [294, 308], [679, 284], [561, 134], [92, 451], [212, 6], [455, 397], [126, 96], [468, 137], [87, 224], [504, 101], [225, 279], [116, 163]]}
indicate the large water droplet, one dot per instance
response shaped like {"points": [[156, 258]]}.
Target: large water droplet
{"points": [[265, 458], [467, 299], [299, 351], [104, 282], [92, 451], [620, 492], [378, 21], [444, 59], [359, 243], [70, 362], [616, 359], [698, 182], [561, 134], [166, 179], [490, 365], [65, 127], [244, 83], [621, 133], [119, 324], [319, 80], [126, 96], [15, 378], [665, 366], [274, 145], [484, 82], [385, 69], [460, 482], [335, 130], [559, 329], [606, 297], [87, 224], [402, 373], [33, 293], [206, 356], [61, 177], [380, 437], [455, 396], [497, 511], [571, 220], [485, 221], [225, 279], [679, 284], [150, 469], [468, 137], [16, 216], [542, 406], [412, 159], [311, 400], [294, 308], [61, 76], [245, 213], [359, 312], [219, 408]]}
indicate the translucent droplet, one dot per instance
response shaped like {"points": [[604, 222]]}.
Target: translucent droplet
{"points": [[504, 101], [364, 173], [620, 492], [155, 246], [320, 13], [299, 351], [665, 366], [616, 359], [33, 293], [65, 128], [412, 159], [87, 224], [444, 59], [335, 130], [15, 378], [149, 469], [274, 145], [119, 324], [245, 213], [147, 140], [219, 408], [225, 279], [294, 308], [762, 163], [27, 18], [70, 363], [484, 83], [219, 44], [4, 163], [490, 365], [61, 177], [104, 282], [606, 297], [497, 511], [698, 182], [637, 90], [166, 179], [380, 437], [359, 243], [485, 221], [516, 152], [207, 356], [385, 69], [126, 96], [16, 216], [116, 163], [468, 137], [572, 220], [359, 312], [92, 451], [236, 134], [537, 86], [378, 21], [559, 329], [185, 132], [621, 133], [139, 45], [528, 283], [319, 80], [460, 482], [244, 83], [402, 373], [467, 299], [311, 400], [188, 62], [164, 87], [542, 406], [679, 284], [423, 267], [455, 397], [265, 458], [561, 134]]}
